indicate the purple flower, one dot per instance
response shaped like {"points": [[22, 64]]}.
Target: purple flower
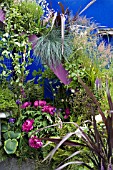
{"points": [[42, 103], [34, 142], [45, 109], [67, 111], [98, 83], [49, 109], [26, 104], [18, 102], [66, 116], [39, 103], [11, 120], [27, 125]]}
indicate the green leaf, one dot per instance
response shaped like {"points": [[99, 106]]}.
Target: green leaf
{"points": [[6, 135], [11, 135], [10, 146], [4, 127], [14, 135]]}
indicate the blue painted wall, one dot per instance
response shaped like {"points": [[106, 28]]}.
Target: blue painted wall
{"points": [[101, 10]]}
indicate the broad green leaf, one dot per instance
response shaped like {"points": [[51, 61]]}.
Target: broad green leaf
{"points": [[4, 127], [10, 146]]}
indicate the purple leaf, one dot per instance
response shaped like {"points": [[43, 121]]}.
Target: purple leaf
{"points": [[70, 163], [61, 73], [69, 143], [33, 39], [2, 15]]}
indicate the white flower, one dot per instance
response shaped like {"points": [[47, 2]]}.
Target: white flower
{"points": [[79, 133], [72, 90], [98, 118]]}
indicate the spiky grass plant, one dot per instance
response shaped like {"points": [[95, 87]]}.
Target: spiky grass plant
{"points": [[49, 48]]}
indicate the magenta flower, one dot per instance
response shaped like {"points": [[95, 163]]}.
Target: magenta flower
{"points": [[34, 142], [67, 111], [42, 103], [26, 104], [45, 109], [39, 103], [66, 116], [51, 110], [27, 125], [36, 104]]}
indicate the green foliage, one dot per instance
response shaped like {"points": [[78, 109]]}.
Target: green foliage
{"points": [[31, 13], [21, 21], [7, 102], [33, 91]]}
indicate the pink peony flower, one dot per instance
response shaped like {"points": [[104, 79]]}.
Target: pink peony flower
{"points": [[34, 142], [67, 111], [27, 125], [26, 104], [39, 103], [36, 103], [45, 109], [51, 110], [42, 103]]}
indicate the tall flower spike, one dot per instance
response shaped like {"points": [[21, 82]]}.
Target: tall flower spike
{"points": [[62, 31], [62, 25]]}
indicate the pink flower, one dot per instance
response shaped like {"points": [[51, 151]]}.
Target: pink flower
{"points": [[45, 109], [51, 110], [66, 116], [39, 103], [42, 103], [67, 111], [34, 142], [26, 104], [36, 104], [27, 125]]}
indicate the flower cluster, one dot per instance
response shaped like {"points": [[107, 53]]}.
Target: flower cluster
{"points": [[67, 113], [27, 125], [34, 142], [45, 108]]}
